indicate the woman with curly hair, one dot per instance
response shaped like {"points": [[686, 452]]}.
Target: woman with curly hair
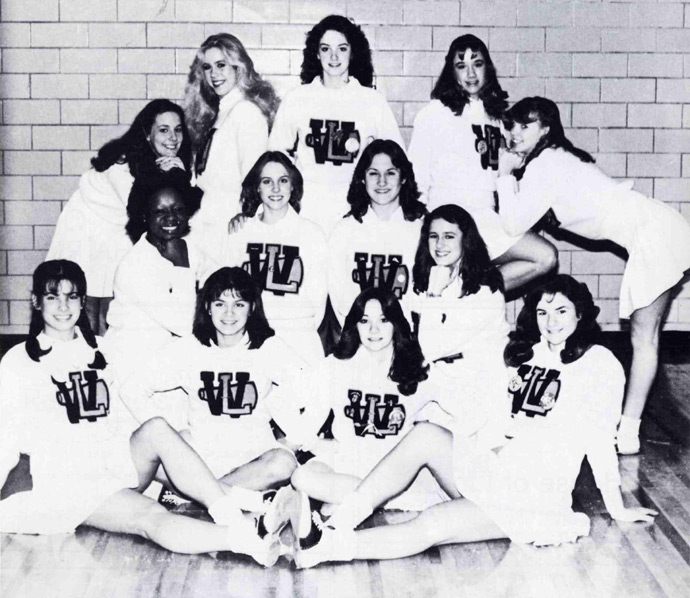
{"points": [[454, 150], [229, 110], [285, 254], [327, 122], [374, 245], [91, 228], [566, 393]]}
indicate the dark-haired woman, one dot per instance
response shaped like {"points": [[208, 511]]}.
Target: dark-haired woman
{"points": [[454, 149], [374, 245], [284, 253], [89, 465], [91, 228], [554, 175], [327, 121], [566, 395]]}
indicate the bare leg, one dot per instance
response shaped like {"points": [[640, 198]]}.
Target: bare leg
{"points": [[531, 257], [319, 481], [270, 469]]}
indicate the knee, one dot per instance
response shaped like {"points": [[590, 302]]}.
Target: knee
{"points": [[153, 427], [304, 475], [548, 258], [281, 464], [428, 435]]}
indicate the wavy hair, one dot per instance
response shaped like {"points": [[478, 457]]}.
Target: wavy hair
{"points": [[520, 346], [408, 368], [250, 198], [476, 269], [357, 195], [134, 149], [243, 285], [46, 280], [201, 101], [451, 94], [361, 66], [146, 188]]}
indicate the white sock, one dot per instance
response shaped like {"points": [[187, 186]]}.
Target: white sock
{"points": [[629, 426], [247, 500], [225, 511], [354, 509]]}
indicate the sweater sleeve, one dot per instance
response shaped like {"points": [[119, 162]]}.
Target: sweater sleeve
{"points": [[319, 273], [387, 125], [11, 419], [121, 181], [252, 135], [283, 135], [421, 154], [337, 275]]}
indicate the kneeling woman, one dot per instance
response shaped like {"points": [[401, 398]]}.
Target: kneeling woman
{"points": [[59, 407], [566, 400]]}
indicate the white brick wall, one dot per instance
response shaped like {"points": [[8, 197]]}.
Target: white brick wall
{"points": [[75, 72]]}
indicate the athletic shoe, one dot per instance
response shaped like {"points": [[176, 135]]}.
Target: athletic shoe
{"points": [[332, 545], [170, 500], [280, 505]]}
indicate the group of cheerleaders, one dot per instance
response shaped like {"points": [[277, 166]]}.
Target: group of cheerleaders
{"points": [[244, 239]]}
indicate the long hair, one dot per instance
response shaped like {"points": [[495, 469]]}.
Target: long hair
{"points": [[450, 92], [133, 147], [250, 199], [201, 102], [243, 285], [520, 347], [476, 269], [361, 66], [545, 111], [146, 188], [46, 279], [357, 195], [408, 368]]}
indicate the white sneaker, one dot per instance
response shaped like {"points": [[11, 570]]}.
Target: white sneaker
{"points": [[280, 506], [333, 545]]}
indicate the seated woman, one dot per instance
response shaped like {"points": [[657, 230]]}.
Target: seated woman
{"points": [[284, 253], [566, 395], [59, 406], [237, 376]]}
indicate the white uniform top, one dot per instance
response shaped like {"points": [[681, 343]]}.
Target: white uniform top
{"points": [[562, 413], [370, 253], [329, 128], [68, 418], [589, 203]]}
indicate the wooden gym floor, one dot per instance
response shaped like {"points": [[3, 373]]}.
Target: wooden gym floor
{"points": [[617, 559]]}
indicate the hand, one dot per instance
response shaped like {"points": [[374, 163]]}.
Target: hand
{"points": [[166, 163], [508, 162], [635, 514], [439, 279], [237, 223]]}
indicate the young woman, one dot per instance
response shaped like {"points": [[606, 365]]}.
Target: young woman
{"points": [[284, 253], [91, 228], [229, 109], [237, 376], [454, 149], [558, 177], [327, 121], [374, 245], [60, 407], [566, 398]]}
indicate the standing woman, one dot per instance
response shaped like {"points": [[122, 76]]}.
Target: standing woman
{"points": [[229, 110], [91, 228], [554, 176], [454, 149], [374, 245], [327, 122]]}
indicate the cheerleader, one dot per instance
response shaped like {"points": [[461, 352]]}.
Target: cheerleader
{"points": [[565, 400], [556, 177], [374, 245], [327, 121], [284, 253], [454, 150], [229, 109], [60, 407], [91, 228]]}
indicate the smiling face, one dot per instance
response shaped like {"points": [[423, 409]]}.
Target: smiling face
{"points": [[229, 314], [219, 73], [383, 181], [165, 137], [60, 308], [334, 54], [375, 331], [557, 319], [275, 187], [167, 216], [469, 68], [524, 137], [445, 240]]}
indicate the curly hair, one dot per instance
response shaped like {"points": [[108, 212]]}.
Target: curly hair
{"points": [[46, 280], [250, 199], [361, 66], [450, 92], [408, 368], [147, 188], [241, 284], [201, 101], [134, 149], [357, 195], [476, 269], [520, 347]]}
